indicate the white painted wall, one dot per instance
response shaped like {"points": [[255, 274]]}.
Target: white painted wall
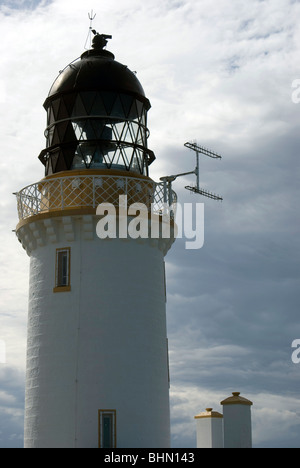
{"points": [[100, 346], [209, 429], [237, 426], [210, 433]]}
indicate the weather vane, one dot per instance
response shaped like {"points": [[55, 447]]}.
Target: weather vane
{"points": [[92, 16], [100, 40]]}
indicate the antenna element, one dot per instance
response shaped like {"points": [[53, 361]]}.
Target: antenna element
{"points": [[91, 16], [169, 179], [201, 150]]}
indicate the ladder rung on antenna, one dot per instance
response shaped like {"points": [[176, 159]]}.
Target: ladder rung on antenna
{"points": [[202, 150], [205, 193]]}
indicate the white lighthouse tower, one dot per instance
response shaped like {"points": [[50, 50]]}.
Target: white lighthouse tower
{"points": [[97, 358]]}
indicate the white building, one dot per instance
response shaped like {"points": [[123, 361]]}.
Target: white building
{"points": [[233, 429], [237, 421], [210, 429], [97, 356]]}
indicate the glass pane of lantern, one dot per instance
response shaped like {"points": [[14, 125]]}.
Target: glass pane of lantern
{"points": [[127, 103], [79, 109], [98, 107], [118, 110], [88, 99], [109, 100]]}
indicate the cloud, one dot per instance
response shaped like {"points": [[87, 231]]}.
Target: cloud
{"points": [[220, 73], [11, 407], [273, 425], [8, 6], [2, 92]]}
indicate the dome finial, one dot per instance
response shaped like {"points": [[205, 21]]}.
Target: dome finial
{"points": [[100, 40]]}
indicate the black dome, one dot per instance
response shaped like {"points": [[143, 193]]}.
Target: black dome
{"points": [[97, 70], [97, 116]]}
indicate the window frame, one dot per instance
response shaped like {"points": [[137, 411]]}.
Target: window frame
{"points": [[67, 286], [113, 414]]}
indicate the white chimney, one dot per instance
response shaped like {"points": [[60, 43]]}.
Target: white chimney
{"points": [[209, 429], [237, 422]]}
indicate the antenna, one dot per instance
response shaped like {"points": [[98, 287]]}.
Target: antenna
{"points": [[91, 16], [201, 150], [169, 179]]}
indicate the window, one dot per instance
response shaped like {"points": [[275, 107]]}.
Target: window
{"points": [[62, 270], [107, 428]]}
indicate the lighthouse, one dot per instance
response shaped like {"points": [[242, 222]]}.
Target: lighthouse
{"points": [[97, 353]]}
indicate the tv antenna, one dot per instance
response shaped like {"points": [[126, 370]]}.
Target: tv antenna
{"points": [[91, 16], [201, 150], [196, 189]]}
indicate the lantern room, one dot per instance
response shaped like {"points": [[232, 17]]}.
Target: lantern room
{"points": [[97, 116]]}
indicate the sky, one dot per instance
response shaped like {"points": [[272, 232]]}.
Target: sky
{"points": [[222, 73]]}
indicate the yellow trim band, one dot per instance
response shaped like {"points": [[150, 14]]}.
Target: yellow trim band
{"points": [[91, 172], [60, 289]]}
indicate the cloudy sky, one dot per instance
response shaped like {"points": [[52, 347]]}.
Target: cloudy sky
{"points": [[222, 73]]}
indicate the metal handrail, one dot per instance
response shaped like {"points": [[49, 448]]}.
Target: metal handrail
{"points": [[88, 191]]}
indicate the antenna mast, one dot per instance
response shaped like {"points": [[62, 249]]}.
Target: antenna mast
{"points": [[91, 16], [201, 150], [169, 179]]}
